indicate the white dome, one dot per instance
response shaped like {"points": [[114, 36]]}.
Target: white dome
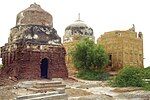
{"points": [[78, 23], [79, 27]]}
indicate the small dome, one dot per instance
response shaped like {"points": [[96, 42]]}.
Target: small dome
{"points": [[34, 15], [79, 27], [76, 24]]}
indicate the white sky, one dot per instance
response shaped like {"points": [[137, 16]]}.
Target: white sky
{"points": [[101, 15]]}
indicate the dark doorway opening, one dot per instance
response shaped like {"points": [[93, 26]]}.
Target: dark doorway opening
{"points": [[110, 60], [44, 68]]}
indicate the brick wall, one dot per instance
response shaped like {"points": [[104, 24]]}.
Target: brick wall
{"points": [[25, 64]]}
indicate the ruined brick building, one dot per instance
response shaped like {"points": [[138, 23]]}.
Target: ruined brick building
{"points": [[74, 33], [125, 48], [34, 49]]}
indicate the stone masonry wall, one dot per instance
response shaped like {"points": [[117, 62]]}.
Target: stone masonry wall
{"points": [[124, 48]]}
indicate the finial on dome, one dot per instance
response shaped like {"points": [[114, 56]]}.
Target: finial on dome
{"points": [[78, 16], [34, 5], [132, 28], [133, 25]]}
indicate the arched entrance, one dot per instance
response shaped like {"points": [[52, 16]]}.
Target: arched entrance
{"points": [[44, 68]]}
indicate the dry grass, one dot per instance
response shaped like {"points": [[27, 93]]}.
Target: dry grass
{"points": [[77, 92], [126, 89], [6, 93]]}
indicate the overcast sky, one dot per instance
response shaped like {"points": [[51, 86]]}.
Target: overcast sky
{"points": [[101, 15]]}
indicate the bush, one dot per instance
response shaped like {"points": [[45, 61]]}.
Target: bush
{"points": [[146, 73], [89, 56], [128, 76], [92, 75]]}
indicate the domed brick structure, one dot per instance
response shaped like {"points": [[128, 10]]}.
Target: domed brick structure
{"points": [[34, 49], [77, 30], [74, 33], [34, 15]]}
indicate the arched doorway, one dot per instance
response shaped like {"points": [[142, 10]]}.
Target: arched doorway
{"points": [[44, 68]]}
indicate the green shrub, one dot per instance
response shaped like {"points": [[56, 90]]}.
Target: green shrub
{"points": [[146, 73], [128, 76], [89, 56]]}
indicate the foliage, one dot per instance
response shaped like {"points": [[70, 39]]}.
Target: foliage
{"points": [[100, 57], [128, 76], [146, 76], [146, 86], [89, 56], [92, 75], [132, 76], [88, 75], [146, 73]]}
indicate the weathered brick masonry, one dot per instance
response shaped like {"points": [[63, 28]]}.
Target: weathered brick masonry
{"points": [[34, 49]]}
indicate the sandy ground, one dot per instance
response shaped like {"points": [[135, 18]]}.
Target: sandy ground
{"points": [[77, 89]]}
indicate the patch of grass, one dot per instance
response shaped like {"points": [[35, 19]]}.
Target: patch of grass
{"points": [[88, 75], [92, 75], [146, 86], [104, 76]]}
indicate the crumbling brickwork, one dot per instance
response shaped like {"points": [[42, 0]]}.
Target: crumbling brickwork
{"points": [[25, 63], [29, 44], [34, 15]]}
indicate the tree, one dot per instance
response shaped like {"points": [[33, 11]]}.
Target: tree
{"points": [[100, 57], [89, 56]]}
